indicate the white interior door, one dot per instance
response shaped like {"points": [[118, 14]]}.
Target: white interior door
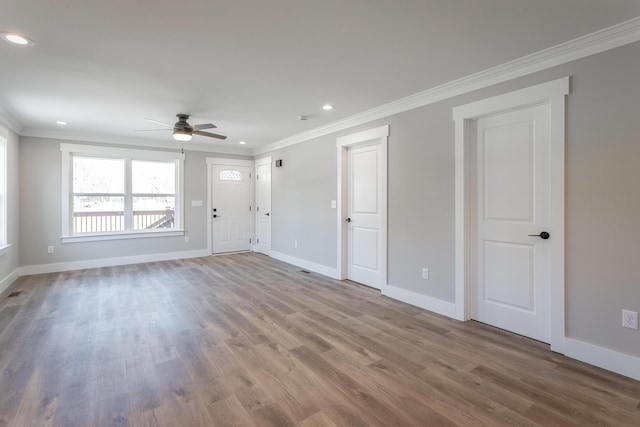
{"points": [[513, 186], [263, 207], [365, 256], [230, 208]]}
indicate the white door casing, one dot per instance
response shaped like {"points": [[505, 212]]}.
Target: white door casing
{"points": [[362, 198], [229, 205], [263, 205], [551, 96], [511, 284]]}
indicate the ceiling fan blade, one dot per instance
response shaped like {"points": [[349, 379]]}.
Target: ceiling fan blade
{"points": [[204, 126], [159, 122], [149, 130], [209, 134]]}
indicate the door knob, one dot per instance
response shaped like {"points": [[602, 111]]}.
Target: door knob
{"points": [[267, 214], [544, 235], [215, 216], [348, 220]]}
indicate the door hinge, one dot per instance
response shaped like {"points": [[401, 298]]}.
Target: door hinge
{"points": [[257, 240], [249, 175], [257, 208], [257, 177], [249, 208], [249, 241]]}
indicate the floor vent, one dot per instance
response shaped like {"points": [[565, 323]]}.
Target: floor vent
{"points": [[305, 271], [14, 294]]}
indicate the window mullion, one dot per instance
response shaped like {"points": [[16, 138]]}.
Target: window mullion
{"points": [[128, 197]]}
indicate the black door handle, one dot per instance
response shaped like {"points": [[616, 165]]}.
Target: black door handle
{"points": [[348, 220], [544, 235], [267, 214], [215, 216]]}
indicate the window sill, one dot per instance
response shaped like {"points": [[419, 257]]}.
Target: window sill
{"points": [[4, 249], [126, 235]]}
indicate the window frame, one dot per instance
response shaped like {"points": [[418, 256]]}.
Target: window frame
{"points": [[128, 155], [4, 208]]}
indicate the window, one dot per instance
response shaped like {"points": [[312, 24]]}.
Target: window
{"points": [[111, 193], [230, 175], [3, 191]]}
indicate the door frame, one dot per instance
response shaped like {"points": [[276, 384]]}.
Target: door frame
{"points": [[213, 161], [553, 94], [381, 134], [261, 162]]}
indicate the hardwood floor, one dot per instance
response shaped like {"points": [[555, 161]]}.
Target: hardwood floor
{"points": [[244, 340]]}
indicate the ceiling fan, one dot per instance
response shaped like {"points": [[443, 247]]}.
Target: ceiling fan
{"points": [[183, 131]]}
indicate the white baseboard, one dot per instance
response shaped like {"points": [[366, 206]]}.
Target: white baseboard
{"points": [[604, 358], [110, 262], [307, 265], [436, 305], [9, 279]]}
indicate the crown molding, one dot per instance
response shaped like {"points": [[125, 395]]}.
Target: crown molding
{"points": [[122, 140], [609, 38], [11, 122]]}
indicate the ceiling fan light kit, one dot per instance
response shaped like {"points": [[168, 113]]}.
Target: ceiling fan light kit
{"points": [[183, 131]]}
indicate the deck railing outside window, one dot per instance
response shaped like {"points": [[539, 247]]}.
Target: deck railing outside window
{"points": [[108, 221]]}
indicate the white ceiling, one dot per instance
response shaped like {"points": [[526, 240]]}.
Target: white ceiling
{"points": [[253, 66]]}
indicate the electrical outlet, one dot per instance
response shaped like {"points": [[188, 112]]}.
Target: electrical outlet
{"points": [[425, 273], [49, 249], [186, 239], [630, 319], [295, 244]]}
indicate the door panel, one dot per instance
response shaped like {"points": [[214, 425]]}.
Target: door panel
{"points": [[230, 208], [263, 207], [513, 203], [364, 205]]}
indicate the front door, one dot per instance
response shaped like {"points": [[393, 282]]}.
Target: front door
{"points": [[512, 284], [230, 208], [364, 210]]}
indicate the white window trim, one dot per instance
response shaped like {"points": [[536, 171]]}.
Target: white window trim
{"points": [[4, 238], [69, 150]]}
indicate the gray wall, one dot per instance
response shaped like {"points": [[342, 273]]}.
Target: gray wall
{"points": [[41, 207], [602, 197], [9, 262]]}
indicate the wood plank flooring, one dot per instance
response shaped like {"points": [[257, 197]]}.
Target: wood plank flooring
{"points": [[244, 340]]}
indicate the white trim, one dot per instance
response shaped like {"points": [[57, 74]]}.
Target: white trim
{"points": [[552, 93], [101, 150], [342, 144], [623, 364], [4, 249], [110, 262], [211, 161], [426, 302], [9, 279], [169, 144], [261, 162], [10, 121], [307, 265], [609, 38], [142, 234]]}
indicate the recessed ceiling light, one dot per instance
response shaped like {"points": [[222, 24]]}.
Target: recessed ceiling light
{"points": [[327, 107], [242, 143], [16, 39], [61, 123]]}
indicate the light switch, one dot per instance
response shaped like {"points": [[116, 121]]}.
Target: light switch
{"points": [[196, 203], [334, 204]]}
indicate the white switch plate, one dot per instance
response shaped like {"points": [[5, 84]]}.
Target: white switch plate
{"points": [[334, 204], [196, 203], [630, 319], [425, 273], [186, 239], [295, 244], [49, 249]]}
